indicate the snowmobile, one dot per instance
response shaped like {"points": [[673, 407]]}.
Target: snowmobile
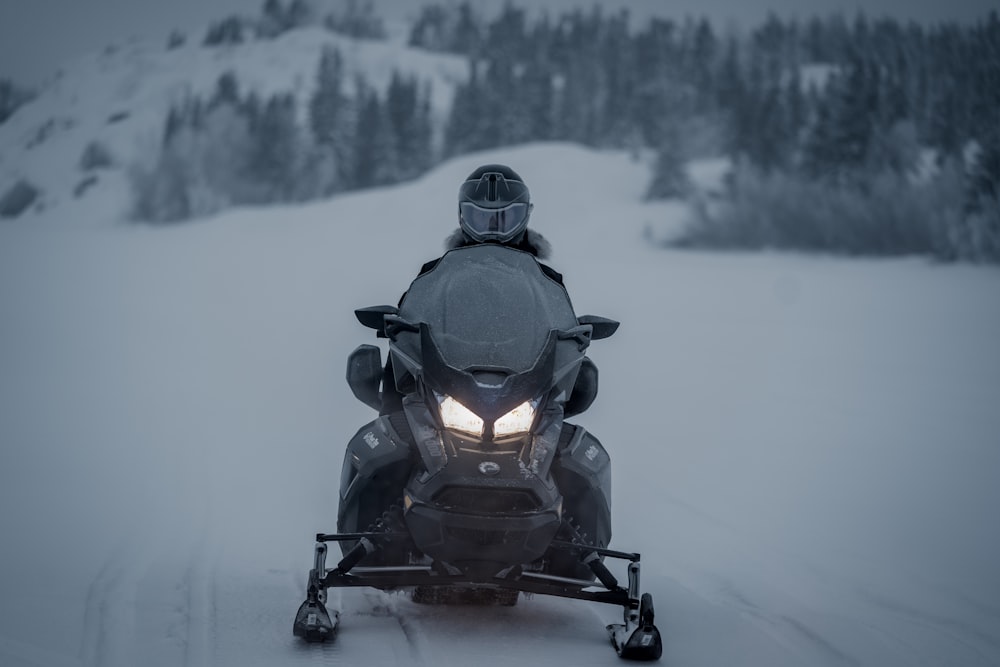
{"points": [[478, 490]]}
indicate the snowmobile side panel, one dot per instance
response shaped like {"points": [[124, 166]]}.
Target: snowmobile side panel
{"points": [[377, 464], [364, 374], [582, 471]]}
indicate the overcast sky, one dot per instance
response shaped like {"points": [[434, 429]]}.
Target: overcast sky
{"points": [[36, 36]]}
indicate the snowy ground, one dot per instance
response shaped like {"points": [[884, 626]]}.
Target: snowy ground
{"points": [[806, 449]]}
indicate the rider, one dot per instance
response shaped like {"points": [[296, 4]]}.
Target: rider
{"points": [[494, 205]]}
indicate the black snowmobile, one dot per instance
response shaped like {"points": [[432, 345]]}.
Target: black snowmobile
{"points": [[478, 489]]}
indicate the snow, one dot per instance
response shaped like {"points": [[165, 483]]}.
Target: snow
{"points": [[805, 448]]}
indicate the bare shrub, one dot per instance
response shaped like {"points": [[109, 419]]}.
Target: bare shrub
{"points": [[886, 215]]}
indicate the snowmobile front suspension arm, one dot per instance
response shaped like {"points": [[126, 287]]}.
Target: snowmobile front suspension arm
{"points": [[637, 638], [389, 577], [610, 553], [399, 577]]}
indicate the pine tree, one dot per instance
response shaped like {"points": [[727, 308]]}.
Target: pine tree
{"points": [[424, 154], [463, 131], [819, 159], [227, 91], [537, 88], [704, 54], [466, 33], [401, 108], [274, 153], [428, 30], [271, 23], [299, 14], [373, 159], [330, 123], [506, 36], [227, 31], [839, 142], [983, 191]]}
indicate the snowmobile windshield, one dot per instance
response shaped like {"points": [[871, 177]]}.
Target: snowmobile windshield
{"points": [[502, 224], [488, 306]]}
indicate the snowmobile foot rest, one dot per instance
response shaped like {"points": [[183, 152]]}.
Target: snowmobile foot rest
{"points": [[313, 622]]}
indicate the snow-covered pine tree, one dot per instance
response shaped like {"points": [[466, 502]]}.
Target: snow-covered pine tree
{"points": [[330, 122], [274, 155], [373, 156]]}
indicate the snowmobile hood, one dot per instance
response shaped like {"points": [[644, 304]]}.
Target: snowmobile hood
{"points": [[487, 321]]}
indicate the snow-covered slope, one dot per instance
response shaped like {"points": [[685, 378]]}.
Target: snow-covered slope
{"points": [[805, 449], [120, 97]]}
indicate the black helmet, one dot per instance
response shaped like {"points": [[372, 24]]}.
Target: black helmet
{"points": [[494, 205]]}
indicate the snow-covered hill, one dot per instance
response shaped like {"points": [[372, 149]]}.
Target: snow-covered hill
{"points": [[120, 97], [805, 449]]}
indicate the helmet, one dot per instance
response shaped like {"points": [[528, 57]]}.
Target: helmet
{"points": [[494, 205]]}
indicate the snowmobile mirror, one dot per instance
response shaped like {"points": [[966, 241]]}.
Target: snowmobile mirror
{"points": [[395, 324], [364, 374], [582, 334], [603, 327], [373, 317]]}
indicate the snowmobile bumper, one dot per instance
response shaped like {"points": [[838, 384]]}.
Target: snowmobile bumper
{"points": [[453, 537]]}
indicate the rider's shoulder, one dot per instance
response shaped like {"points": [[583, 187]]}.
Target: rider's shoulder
{"points": [[533, 243]]}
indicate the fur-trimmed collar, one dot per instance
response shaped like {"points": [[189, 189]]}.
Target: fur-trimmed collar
{"points": [[532, 242]]}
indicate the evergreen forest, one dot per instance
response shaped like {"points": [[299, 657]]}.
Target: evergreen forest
{"points": [[844, 134]]}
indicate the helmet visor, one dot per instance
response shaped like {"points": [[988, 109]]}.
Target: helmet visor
{"points": [[496, 224]]}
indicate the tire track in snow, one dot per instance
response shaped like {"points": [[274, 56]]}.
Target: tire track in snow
{"points": [[384, 604], [329, 652], [372, 630], [110, 609], [778, 626], [199, 580], [959, 632], [151, 604]]}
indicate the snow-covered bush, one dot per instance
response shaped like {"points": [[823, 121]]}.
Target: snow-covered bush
{"points": [[276, 19], [227, 31], [357, 19], [18, 198], [96, 156], [887, 215], [240, 149], [176, 40], [670, 179], [200, 169], [12, 97]]}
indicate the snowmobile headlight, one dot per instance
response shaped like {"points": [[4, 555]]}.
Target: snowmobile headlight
{"points": [[518, 420], [457, 417]]}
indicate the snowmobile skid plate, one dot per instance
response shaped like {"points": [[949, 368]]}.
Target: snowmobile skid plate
{"points": [[637, 638]]}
